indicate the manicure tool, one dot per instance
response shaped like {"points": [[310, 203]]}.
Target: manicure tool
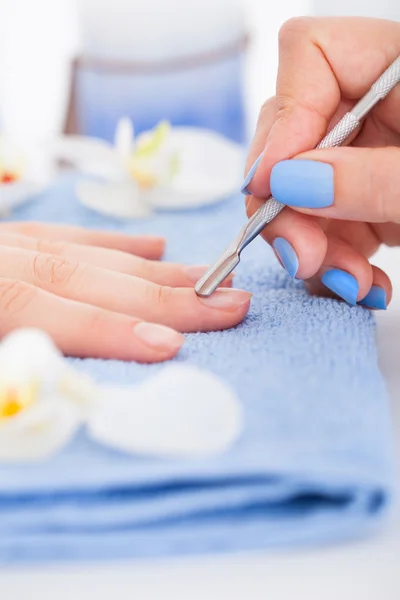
{"points": [[216, 274]]}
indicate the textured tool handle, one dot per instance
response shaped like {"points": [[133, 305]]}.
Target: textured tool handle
{"points": [[342, 130], [388, 79], [271, 207]]}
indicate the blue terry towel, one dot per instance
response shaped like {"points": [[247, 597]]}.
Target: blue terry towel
{"points": [[314, 462]]}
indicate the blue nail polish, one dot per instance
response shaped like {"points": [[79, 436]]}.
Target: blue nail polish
{"points": [[342, 284], [250, 176], [287, 255], [303, 183], [376, 298]]}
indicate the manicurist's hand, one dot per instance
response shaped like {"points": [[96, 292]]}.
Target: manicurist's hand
{"points": [[103, 294], [344, 202]]}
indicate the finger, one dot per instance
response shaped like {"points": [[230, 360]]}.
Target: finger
{"points": [[382, 127], [362, 236], [317, 68], [298, 240], [179, 308], [380, 293], [83, 330], [345, 273], [147, 246], [162, 273], [360, 184], [265, 121], [387, 233]]}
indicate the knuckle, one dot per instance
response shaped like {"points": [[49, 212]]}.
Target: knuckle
{"points": [[294, 27], [162, 295], [50, 247], [27, 228], [285, 104], [14, 297], [266, 106], [265, 111], [141, 267], [9, 239], [99, 320], [49, 269]]}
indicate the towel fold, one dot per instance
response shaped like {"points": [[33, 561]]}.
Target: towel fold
{"points": [[314, 462]]}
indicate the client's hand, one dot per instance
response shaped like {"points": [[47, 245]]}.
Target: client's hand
{"points": [[104, 294]]}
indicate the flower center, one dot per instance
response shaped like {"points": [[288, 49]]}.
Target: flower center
{"points": [[14, 400], [145, 181], [152, 163], [8, 177]]}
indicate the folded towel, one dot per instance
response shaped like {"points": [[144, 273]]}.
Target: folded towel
{"points": [[314, 462]]}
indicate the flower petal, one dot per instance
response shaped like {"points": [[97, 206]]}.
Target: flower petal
{"points": [[181, 411], [29, 354], [90, 155], [150, 142], [38, 432], [120, 200], [123, 140], [52, 398], [16, 193], [210, 169]]}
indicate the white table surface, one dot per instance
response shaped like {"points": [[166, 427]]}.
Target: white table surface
{"points": [[366, 570]]}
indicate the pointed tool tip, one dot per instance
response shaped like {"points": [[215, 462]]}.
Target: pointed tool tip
{"points": [[208, 283]]}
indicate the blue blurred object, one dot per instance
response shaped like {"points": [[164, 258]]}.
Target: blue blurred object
{"points": [[314, 463], [207, 92]]}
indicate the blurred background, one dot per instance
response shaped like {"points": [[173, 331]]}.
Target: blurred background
{"points": [[78, 65]]}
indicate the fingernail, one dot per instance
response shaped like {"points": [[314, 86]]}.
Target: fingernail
{"points": [[158, 336], [194, 272], [227, 299], [342, 284], [287, 255], [250, 176], [303, 183], [147, 237], [153, 240], [376, 298]]}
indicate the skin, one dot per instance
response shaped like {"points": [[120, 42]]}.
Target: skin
{"points": [[104, 294], [325, 66]]}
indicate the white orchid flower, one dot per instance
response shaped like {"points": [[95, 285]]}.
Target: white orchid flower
{"points": [[166, 168], [24, 172], [42, 400], [180, 412]]}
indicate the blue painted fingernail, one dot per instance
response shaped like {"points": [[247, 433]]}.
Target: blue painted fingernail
{"points": [[287, 255], [342, 284], [303, 183], [376, 298], [250, 176]]}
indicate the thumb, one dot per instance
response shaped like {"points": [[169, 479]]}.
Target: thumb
{"points": [[325, 65], [354, 184]]}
